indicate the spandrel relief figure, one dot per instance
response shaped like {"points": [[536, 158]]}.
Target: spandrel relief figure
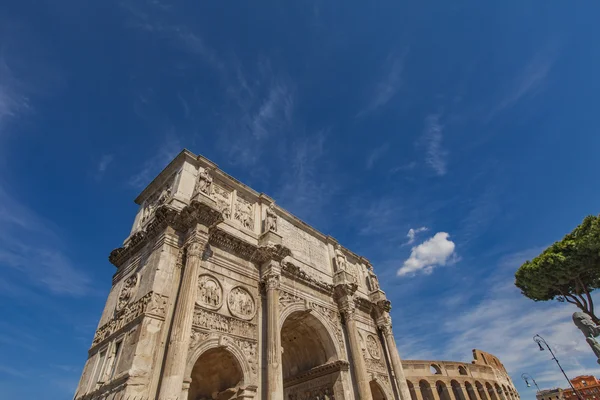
{"points": [[590, 330], [271, 221], [205, 181], [340, 258]]}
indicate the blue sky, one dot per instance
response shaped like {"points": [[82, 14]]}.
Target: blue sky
{"points": [[475, 120]]}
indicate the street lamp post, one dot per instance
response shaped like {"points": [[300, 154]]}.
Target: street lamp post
{"points": [[526, 378], [539, 340]]}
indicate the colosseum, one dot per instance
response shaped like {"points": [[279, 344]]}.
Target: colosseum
{"points": [[221, 294], [485, 378]]}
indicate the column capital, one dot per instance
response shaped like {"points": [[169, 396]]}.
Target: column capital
{"points": [[195, 249], [384, 323], [271, 252], [272, 280]]}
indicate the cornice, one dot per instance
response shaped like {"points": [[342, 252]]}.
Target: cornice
{"points": [[195, 213], [294, 271]]}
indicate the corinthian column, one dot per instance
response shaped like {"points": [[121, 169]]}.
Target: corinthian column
{"points": [[274, 371], [385, 325], [345, 287], [179, 340]]}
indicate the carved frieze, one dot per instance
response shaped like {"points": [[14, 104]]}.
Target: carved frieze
{"points": [[210, 292], [241, 303], [211, 321], [151, 304], [373, 347], [127, 292]]}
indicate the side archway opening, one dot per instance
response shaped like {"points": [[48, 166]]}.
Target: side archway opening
{"points": [[215, 375], [376, 391]]}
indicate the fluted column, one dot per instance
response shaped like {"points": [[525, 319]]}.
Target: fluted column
{"points": [[179, 340], [274, 371], [385, 325], [344, 292], [362, 377]]}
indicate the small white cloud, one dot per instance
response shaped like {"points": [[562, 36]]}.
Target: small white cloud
{"points": [[435, 251], [412, 233]]}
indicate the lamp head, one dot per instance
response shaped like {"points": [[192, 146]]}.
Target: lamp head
{"points": [[540, 346]]}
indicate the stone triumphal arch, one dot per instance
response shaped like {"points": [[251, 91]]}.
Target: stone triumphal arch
{"points": [[220, 294]]}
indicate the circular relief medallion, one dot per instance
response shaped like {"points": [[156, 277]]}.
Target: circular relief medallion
{"points": [[240, 303], [210, 293], [127, 292], [373, 347]]}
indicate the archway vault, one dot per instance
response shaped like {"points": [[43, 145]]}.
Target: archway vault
{"points": [[224, 358], [307, 341]]}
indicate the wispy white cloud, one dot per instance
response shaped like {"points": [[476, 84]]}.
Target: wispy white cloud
{"points": [[12, 100], [436, 155], [103, 164], [166, 152], [307, 187], [30, 246], [412, 234], [376, 154], [435, 251], [529, 81], [388, 84]]}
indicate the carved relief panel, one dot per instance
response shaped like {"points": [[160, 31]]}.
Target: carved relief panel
{"points": [[160, 197], [244, 212], [222, 195], [127, 292], [241, 303], [210, 293]]}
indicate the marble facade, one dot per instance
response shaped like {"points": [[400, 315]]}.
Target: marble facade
{"points": [[221, 294]]}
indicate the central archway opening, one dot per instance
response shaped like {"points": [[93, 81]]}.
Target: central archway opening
{"points": [[216, 375], [307, 347]]}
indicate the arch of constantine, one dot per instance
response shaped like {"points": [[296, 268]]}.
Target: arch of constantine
{"points": [[221, 294]]}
